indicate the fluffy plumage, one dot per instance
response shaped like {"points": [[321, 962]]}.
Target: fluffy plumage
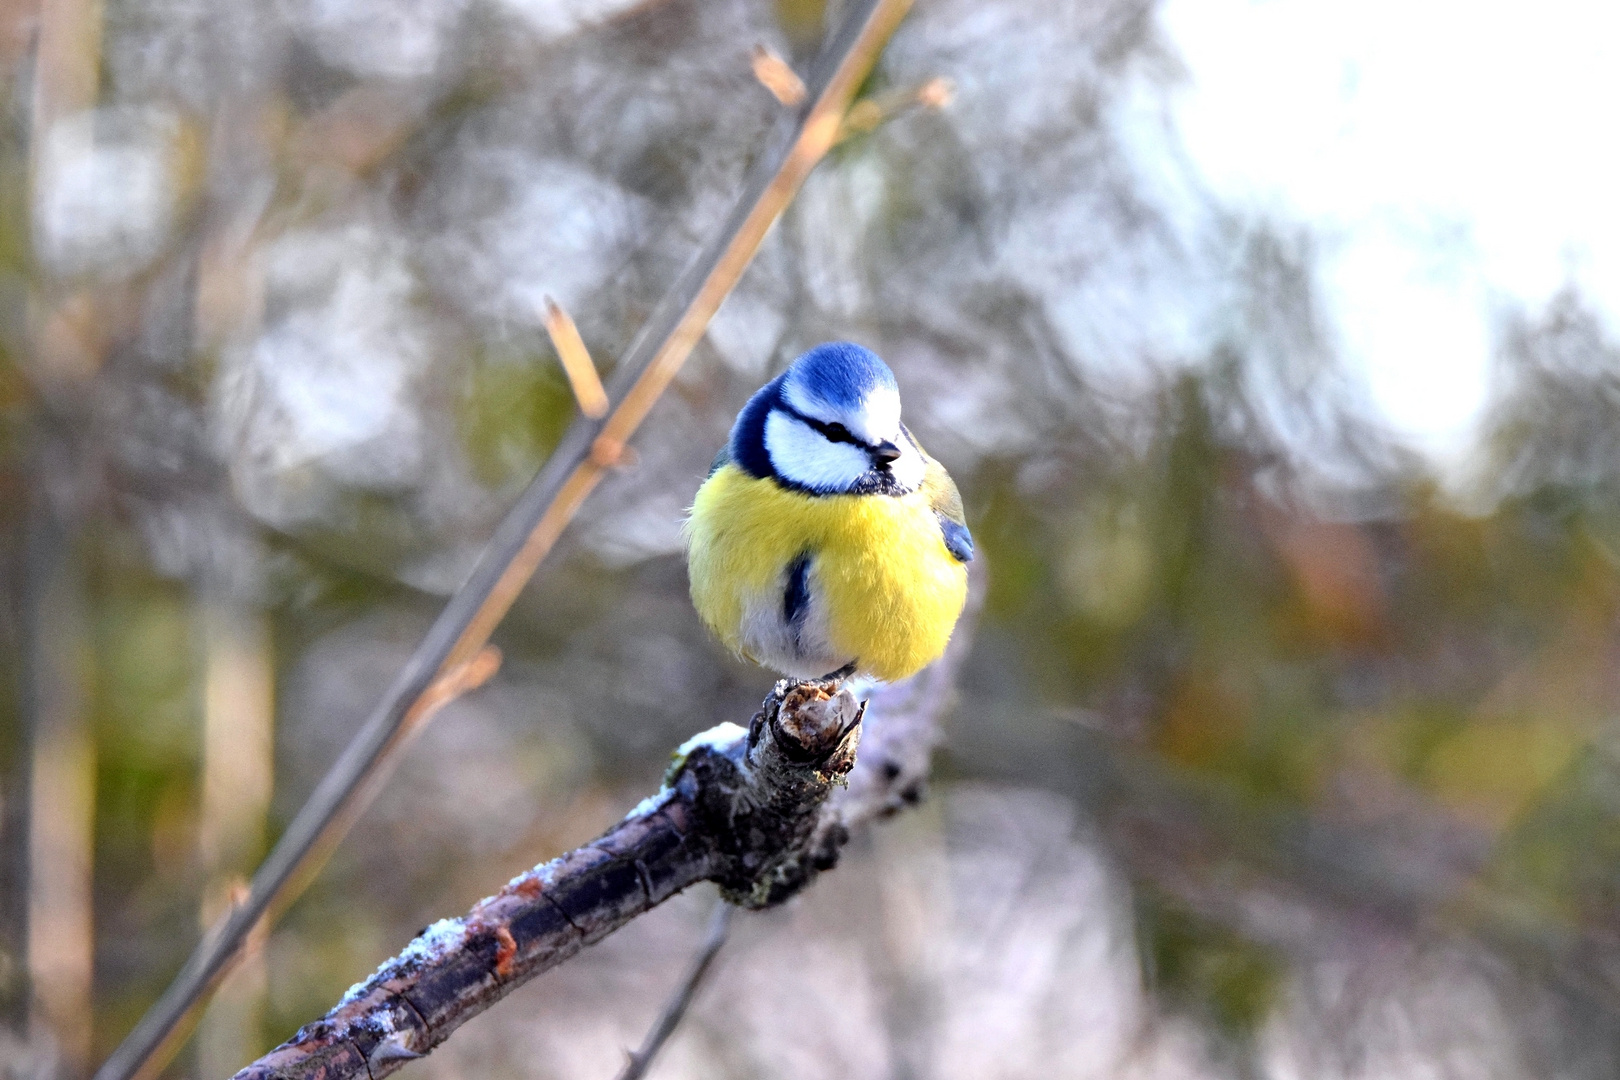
{"points": [[824, 535]]}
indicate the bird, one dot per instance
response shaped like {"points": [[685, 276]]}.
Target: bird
{"points": [[825, 542]]}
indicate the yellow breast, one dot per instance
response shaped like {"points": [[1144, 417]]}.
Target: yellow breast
{"points": [[887, 590]]}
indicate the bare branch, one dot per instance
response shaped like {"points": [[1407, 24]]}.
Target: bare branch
{"points": [[529, 530], [865, 115], [739, 807]]}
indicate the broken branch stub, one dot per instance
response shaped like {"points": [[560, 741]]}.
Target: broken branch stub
{"points": [[739, 807]]}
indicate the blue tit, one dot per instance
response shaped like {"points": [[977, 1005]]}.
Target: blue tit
{"points": [[825, 541]]}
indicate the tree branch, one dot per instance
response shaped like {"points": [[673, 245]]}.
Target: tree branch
{"points": [[739, 807]]}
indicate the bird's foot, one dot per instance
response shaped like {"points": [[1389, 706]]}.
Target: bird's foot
{"points": [[791, 697], [837, 676], [828, 683]]}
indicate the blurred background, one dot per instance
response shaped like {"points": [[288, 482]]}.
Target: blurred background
{"points": [[1273, 345]]}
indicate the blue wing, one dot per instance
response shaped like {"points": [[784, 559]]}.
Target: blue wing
{"points": [[958, 541], [722, 458], [947, 504]]}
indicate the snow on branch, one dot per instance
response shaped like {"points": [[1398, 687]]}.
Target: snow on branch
{"points": [[740, 807]]}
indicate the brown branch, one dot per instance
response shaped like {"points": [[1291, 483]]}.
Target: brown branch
{"points": [[529, 530], [739, 807], [901, 730]]}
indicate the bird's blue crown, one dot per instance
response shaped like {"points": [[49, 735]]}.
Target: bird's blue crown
{"points": [[840, 373]]}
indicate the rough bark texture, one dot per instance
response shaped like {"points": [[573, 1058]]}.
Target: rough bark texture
{"points": [[741, 808]]}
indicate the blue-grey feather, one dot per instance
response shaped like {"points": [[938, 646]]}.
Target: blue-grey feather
{"points": [[958, 541], [720, 458]]}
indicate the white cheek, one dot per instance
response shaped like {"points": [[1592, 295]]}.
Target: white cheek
{"points": [[909, 467], [804, 457]]}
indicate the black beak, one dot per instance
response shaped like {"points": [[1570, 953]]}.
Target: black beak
{"points": [[884, 452]]}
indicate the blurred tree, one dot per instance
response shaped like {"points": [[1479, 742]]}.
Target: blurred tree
{"points": [[1323, 742]]}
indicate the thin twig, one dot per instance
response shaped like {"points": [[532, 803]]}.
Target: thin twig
{"points": [[865, 115], [719, 929], [576, 361], [776, 76], [529, 530]]}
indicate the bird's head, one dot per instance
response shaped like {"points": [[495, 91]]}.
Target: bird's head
{"points": [[830, 424]]}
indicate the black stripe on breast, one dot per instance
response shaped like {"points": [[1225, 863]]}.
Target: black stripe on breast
{"points": [[796, 598]]}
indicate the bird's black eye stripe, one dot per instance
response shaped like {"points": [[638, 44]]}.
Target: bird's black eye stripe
{"points": [[837, 433], [831, 432]]}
